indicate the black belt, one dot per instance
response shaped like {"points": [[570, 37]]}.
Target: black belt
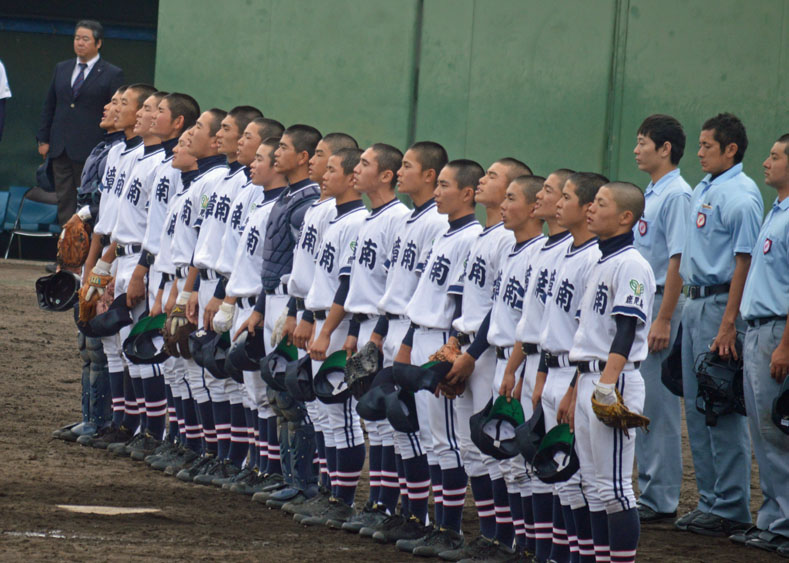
{"points": [[596, 366], [168, 277], [699, 291], [319, 315], [529, 348], [361, 317], [463, 339], [500, 353], [127, 249], [553, 361], [299, 302], [247, 302], [393, 317], [274, 291], [660, 289], [208, 274], [753, 323], [182, 272]]}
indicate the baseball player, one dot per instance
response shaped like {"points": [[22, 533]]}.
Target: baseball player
{"points": [[556, 371], [726, 209], [243, 287], [375, 177], [432, 309], [609, 344], [527, 336], [764, 308], [477, 282], [417, 178], [659, 237]]}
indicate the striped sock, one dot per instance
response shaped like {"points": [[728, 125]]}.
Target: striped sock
{"points": [[405, 506], [543, 524], [390, 488], [375, 474], [139, 397], [262, 445], [180, 424], [118, 403], [172, 415], [239, 444], [583, 529], [206, 414], [323, 476], [438, 493], [349, 467], [454, 483], [560, 546], [155, 400], [505, 532], [131, 414], [331, 465], [624, 529], [192, 428], [528, 522], [417, 475], [516, 509], [274, 454], [572, 538], [482, 491], [599, 521], [221, 410], [251, 423]]}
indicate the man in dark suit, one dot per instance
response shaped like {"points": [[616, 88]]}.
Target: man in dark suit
{"points": [[72, 111]]}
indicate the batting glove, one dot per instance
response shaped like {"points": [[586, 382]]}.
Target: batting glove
{"points": [[99, 273], [604, 393], [223, 320]]}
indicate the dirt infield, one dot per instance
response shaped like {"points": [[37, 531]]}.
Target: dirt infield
{"points": [[39, 391]]}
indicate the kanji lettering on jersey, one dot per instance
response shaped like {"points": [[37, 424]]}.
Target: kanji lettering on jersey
{"points": [[253, 237], [497, 285], [527, 279], [513, 293], [440, 270], [222, 209], [551, 282], [409, 256], [477, 273], [163, 190], [186, 212], [541, 289], [601, 299], [171, 226], [133, 195], [209, 208], [310, 238], [368, 253], [235, 218], [564, 295], [119, 184], [327, 257], [110, 179], [396, 250]]}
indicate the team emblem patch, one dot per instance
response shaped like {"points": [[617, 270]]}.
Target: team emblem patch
{"points": [[204, 201], [638, 288], [642, 227], [768, 244], [701, 220]]}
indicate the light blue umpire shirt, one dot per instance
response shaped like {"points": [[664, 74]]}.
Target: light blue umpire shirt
{"points": [[660, 233], [766, 291], [725, 214]]}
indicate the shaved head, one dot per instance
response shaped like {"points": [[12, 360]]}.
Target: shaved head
{"points": [[530, 186], [628, 197]]}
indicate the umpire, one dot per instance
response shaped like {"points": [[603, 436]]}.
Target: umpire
{"points": [[765, 305], [72, 111]]}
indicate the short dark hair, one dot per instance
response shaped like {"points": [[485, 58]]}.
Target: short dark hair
{"points": [[243, 115], [563, 174], [183, 105], [349, 158], [121, 89], [95, 27], [664, 129], [268, 127], [389, 158], [785, 140], [530, 185], [217, 115], [431, 155], [337, 141], [303, 137], [159, 95], [586, 185], [515, 168], [728, 129], [467, 172], [143, 91], [272, 142], [628, 197]]}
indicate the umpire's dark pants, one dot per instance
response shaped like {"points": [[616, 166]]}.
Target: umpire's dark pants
{"points": [[66, 173]]}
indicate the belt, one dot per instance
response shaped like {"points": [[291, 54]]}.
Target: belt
{"points": [[393, 317], [558, 361], [105, 240], [246, 302], [529, 348], [208, 274], [182, 272], [168, 277], [699, 291], [319, 315], [501, 352], [660, 289], [597, 366], [281, 289], [128, 249], [299, 302], [361, 317], [463, 339], [753, 323]]}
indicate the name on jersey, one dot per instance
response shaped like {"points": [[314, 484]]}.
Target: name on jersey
{"points": [[327, 257], [309, 239], [439, 271], [119, 184], [133, 195], [367, 255], [162, 192], [477, 273], [253, 237]]}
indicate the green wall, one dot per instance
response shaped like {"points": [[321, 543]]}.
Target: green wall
{"points": [[29, 60], [563, 83]]}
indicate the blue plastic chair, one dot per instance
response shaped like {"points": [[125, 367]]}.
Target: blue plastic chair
{"points": [[35, 215]]}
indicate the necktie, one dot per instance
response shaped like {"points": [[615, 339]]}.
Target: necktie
{"points": [[79, 80]]}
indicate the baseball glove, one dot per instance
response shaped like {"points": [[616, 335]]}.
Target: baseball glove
{"points": [[449, 352], [617, 415], [87, 307], [74, 243], [361, 368], [176, 333]]}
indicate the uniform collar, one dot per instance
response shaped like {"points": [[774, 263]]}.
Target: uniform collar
{"points": [[375, 210], [420, 208], [272, 193], [296, 186], [91, 63], [207, 162], [723, 176], [611, 245], [110, 138], [133, 142], [662, 183], [462, 222], [150, 149], [234, 166], [187, 177], [348, 206], [782, 205], [169, 145]]}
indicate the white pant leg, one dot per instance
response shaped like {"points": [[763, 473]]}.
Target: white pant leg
{"points": [[217, 388], [470, 402]]}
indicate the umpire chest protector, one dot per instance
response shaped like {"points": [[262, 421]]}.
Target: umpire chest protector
{"points": [[280, 235]]}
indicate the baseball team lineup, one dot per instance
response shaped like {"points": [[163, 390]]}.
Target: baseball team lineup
{"points": [[276, 307]]}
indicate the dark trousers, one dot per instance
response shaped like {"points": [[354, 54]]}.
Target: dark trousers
{"points": [[66, 174]]}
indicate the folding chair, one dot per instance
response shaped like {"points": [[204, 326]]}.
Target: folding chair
{"points": [[34, 216]]}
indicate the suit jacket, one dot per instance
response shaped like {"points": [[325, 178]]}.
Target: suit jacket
{"points": [[70, 124]]}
